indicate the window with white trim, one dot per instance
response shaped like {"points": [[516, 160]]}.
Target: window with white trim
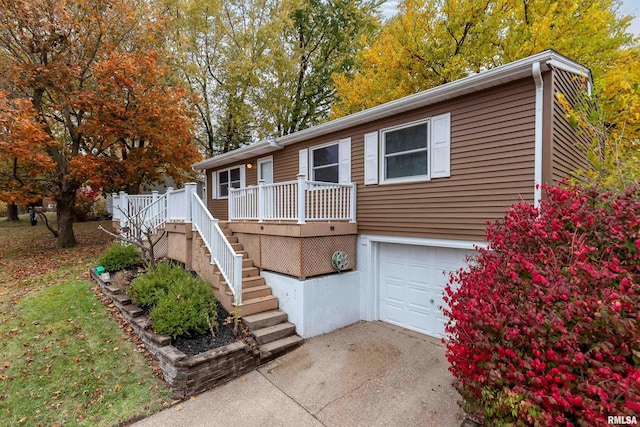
{"points": [[405, 152], [229, 178], [411, 152], [325, 161]]}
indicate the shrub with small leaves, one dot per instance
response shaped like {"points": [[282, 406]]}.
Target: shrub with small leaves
{"points": [[188, 308], [118, 257], [544, 327], [149, 288]]}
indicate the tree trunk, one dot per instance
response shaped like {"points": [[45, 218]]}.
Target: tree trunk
{"points": [[12, 212], [66, 201]]}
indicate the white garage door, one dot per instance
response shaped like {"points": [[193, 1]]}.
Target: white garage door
{"points": [[412, 282]]}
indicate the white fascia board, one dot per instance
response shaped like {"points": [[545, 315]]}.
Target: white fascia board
{"points": [[494, 77], [563, 63], [242, 153]]}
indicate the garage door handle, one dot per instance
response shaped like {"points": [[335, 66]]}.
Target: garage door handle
{"points": [[431, 301]]}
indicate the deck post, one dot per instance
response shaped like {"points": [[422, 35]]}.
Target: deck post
{"points": [[114, 206], [352, 199], [261, 200], [302, 189], [124, 209], [153, 215], [190, 190]]}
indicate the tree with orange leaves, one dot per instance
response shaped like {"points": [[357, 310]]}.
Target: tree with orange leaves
{"points": [[88, 100]]}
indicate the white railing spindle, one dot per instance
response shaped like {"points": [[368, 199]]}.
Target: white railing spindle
{"points": [[222, 254], [299, 201]]}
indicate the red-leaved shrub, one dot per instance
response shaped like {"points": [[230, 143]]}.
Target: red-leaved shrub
{"points": [[544, 326]]}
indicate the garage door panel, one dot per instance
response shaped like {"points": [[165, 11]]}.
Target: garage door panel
{"points": [[393, 269], [394, 313], [418, 320], [419, 297], [394, 290], [418, 274], [410, 278]]}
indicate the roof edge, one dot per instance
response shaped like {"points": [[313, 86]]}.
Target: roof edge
{"points": [[490, 78]]}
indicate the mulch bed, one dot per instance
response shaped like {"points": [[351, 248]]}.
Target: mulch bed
{"points": [[194, 344], [201, 343]]}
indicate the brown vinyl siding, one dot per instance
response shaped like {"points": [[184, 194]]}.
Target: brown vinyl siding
{"points": [[569, 148], [492, 135], [492, 162], [219, 208]]}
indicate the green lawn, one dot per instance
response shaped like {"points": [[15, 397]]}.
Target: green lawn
{"points": [[63, 359]]}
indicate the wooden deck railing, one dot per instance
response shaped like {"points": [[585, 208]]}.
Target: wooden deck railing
{"points": [[299, 201], [183, 205]]}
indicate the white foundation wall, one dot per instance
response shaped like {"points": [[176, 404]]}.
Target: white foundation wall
{"points": [[320, 304]]}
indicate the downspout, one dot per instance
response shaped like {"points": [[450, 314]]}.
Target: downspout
{"points": [[537, 169]]}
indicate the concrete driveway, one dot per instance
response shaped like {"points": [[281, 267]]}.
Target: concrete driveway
{"points": [[367, 374]]}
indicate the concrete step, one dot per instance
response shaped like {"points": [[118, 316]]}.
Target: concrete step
{"points": [[247, 262], [249, 282], [250, 272], [258, 305], [254, 292], [264, 319], [274, 333], [280, 346]]}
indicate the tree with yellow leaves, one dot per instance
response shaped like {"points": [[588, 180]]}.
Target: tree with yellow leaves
{"points": [[432, 42], [612, 123]]}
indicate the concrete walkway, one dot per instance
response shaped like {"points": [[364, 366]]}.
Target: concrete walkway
{"points": [[367, 374]]}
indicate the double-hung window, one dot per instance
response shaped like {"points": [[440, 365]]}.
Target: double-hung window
{"points": [[405, 152], [228, 178], [325, 163], [329, 162], [411, 152]]}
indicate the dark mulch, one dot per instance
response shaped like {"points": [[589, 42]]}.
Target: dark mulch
{"points": [[195, 344], [201, 343]]}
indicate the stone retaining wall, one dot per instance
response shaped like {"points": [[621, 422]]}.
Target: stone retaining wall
{"points": [[185, 375]]}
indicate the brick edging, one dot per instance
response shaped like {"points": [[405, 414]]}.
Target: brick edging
{"points": [[186, 375]]}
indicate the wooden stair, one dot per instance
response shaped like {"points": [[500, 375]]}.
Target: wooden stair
{"points": [[259, 311]]}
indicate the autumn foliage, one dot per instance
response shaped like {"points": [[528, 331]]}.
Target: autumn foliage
{"points": [[88, 99], [433, 42], [22, 150], [545, 324]]}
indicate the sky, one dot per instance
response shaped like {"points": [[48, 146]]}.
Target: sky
{"points": [[629, 7]]}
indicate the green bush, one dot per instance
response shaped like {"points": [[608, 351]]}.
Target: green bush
{"points": [[147, 289], [179, 303], [119, 257], [189, 308]]}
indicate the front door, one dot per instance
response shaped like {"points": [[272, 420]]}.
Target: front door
{"points": [[265, 169]]}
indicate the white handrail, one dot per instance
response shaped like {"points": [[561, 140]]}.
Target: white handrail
{"points": [[299, 200], [177, 205], [144, 212], [140, 212], [222, 254]]}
